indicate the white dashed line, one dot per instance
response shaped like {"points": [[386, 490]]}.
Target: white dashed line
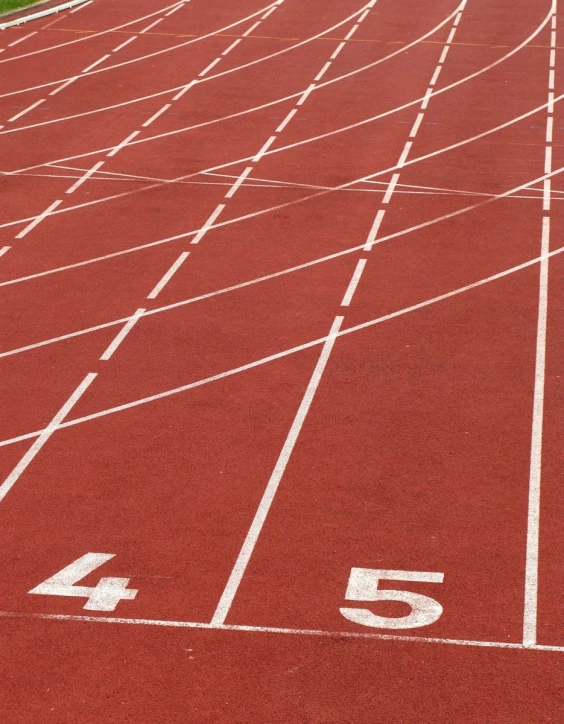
{"points": [[156, 115], [168, 276], [38, 219], [353, 283], [26, 110], [126, 329], [84, 178], [239, 181], [123, 143], [205, 228]]}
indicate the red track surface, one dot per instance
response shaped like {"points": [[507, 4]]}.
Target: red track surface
{"points": [[292, 272]]}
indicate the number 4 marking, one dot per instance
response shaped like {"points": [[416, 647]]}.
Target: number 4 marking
{"points": [[105, 596], [363, 586]]}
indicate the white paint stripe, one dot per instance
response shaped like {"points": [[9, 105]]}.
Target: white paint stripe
{"points": [[533, 516], [38, 219], [4, 249], [305, 94], [553, 39], [351, 32], [123, 143], [323, 71], [287, 120], [270, 491], [404, 154], [548, 159], [390, 190], [168, 276], [444, 54], [436, 75], [62, 87], [152, 25], [26, 110], [14, 476], [182, 91], [20, 40], [126, 329], [374, 230], [206, 227], [264, 149], [237, 183], [85, 177], [250, 30], [268, 12], [353, 283], [364, 14], [457, 19], [552, 57], [546, 194], [427, 98], [81, 7], [95, 63], [451, 36], [338, 50], [125, 42], [549, 129], [550, 107], [171, 12], [210, 66], [551, 79], [271, 630], [553, 21], [156, 115], [234, 44], [416, 125]]}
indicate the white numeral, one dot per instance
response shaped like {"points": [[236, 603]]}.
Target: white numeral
{"points": [[363, 586], [105, 596]]}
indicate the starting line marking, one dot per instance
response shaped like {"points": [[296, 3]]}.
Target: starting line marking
{"points": [[273, 629]]}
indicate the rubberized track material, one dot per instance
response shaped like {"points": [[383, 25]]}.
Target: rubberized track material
{"points": [[282, 361]]}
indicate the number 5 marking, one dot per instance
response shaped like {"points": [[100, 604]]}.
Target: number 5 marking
{"points": [[105, 596], [363, 586]]}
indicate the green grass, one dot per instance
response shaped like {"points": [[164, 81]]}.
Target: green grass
{"points": [[6, 5]]}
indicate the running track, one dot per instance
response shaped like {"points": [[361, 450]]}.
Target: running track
{"points": [[281, 362]]}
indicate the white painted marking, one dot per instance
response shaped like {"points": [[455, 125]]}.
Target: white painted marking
{"points": [[551, 79], [549, 129], [337, 50], [363, 586], [95, 63], [351, 32], [237, 183], [84, 178], [20, 40], [210, 66], [457, 19], [390, 190], [268, 12], [353, 283], [546, 194], [26, 110], [553, 22], [81, 7], [270, 491], [436, 75], [156, 115], [65, 85], [234, 44], [553, 39], [16, 473], [323, 70], [535, 472], [122, 334], [552, 57], [123, 143], [374, 230], [250, 30], [404, 154], [264, 149], [364, 14], [427, 98], [305, 94], [209, 223], [451, 36], [4, 249], [287, 120], [105, 596], [182, 91], [171, 12], [125, 42], [548, 159], [168, 276], [152, 25], [416, 125], [550, 106], [444, 54], [38, 219]]}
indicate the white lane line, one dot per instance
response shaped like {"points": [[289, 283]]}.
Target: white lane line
{"points": [[239, 181], [95, 63], [549, 129], [353, 283], [271, 629], [305, 94], [264, 149], [169, 274], [548, 159], [125, 330], [404, 154], [125, 42], [268, 12], [287, 120], [14, 476], [436, 75], [551, 80], [38, 219], [451, 36], [65, 85], [323, 70], [123, 143], [84, 178], [390, 190], [26, 110], [338, 50], [156, 115], [210, 66], [270, 491], [374, 230], [20, 40], [182, 91], [81, 7], [416, 125], [553, 57], [170, 12], [427, 98], [351, 32], [444, 54], [533, 515], [4, 249], [546, 194], [250, 30], [205, 228], [234, 44], [457, 19], [152, 25], [364, 14]]}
